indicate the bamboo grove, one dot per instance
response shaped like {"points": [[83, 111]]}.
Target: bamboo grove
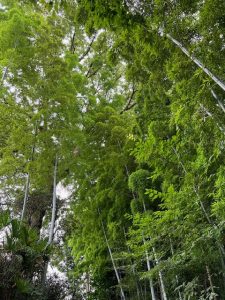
{"points": [[122, 103]]}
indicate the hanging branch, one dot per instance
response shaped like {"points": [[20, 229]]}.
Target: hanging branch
{"points": [[113, 262], [88, 48]]}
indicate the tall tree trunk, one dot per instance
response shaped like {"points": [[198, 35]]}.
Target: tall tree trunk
{"points": [[163, 290], [44, 274], [51, 231], [153, 295], [146, 252], [113, 263], [52, 226], [149, 269], [27, 185], [132, 268]]}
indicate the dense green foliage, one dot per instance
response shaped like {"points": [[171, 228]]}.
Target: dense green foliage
{"points": [[127, 98]]}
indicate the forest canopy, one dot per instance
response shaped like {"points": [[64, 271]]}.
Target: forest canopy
{"points": [[112, 138]]}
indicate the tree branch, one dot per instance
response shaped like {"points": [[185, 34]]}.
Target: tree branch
{"points": [[88, 48], [129, 103], [72, 46]]}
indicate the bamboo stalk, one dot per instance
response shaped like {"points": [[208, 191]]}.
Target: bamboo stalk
{"points": [[113, 263], [27, 184], [51, 231], [210, 282], [149, 269], [218, 81]]}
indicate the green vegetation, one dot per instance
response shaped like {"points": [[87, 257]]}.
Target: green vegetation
{"points": [[122, 102]]}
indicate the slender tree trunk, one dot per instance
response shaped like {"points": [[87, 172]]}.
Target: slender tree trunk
{"points": [[44, 274], [163, 290], [87, 284], [132, 268], [52, 226], [27, 185], [145, 291], [153, 295], [113, 263], [221, 127], [218, 100], [142, 292], [210, 282], [177, 280], [136, 282], [51, 231], [146, 252], [219, 245], [149, 269], [160, 276], [218, 81]]}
